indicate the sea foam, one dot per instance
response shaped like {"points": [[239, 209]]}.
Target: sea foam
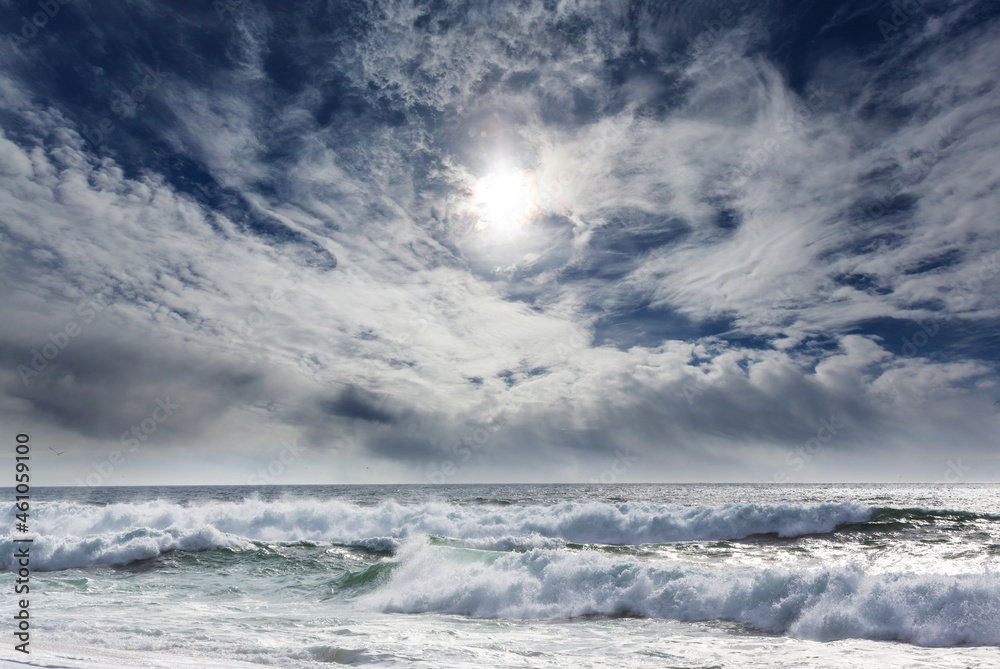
{"points": [[820, 603], [79, 535]]}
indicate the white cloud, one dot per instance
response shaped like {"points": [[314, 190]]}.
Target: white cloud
{"points": [[425, 321]]}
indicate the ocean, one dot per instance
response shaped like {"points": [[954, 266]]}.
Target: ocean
{"points": [[693, 576]]}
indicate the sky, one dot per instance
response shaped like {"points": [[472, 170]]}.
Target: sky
{"points": [[250, 242]]}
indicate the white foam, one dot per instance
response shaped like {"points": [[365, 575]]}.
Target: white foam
{"points": [[822, 604], [74, 535], [52, 553]]}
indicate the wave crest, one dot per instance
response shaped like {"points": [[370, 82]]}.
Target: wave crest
{"points": [[821, 604], [78, 535]]}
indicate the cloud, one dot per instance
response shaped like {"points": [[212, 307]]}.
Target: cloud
{"points": [[746, 221]]}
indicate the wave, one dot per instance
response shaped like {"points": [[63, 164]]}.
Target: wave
{"points": [[821, 604], [79, 535], [911, 516], [53, 553], [88, 534]]}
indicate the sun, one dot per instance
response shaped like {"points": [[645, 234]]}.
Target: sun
{"points": [[504, 200]]}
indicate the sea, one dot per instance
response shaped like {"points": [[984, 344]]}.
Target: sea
{"points": [[666, 576]]}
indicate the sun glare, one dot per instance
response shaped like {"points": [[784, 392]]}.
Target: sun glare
{"points": [[504, 200]]}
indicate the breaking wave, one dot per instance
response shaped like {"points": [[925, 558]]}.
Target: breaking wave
{"points": [[822, 604], [79, 535]]}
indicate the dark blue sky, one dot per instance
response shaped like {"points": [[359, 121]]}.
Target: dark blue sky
{"points": [[433, 241]]}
